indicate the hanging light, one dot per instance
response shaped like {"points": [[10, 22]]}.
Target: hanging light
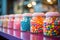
{"points": [[33, 3], [49, 1], [29, 5]]}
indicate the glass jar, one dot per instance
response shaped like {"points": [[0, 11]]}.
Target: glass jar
{"points": [[1, 21], [25, 22], [11, 21], [17, 20], [5, 21], [52, 24], [37, 23]]}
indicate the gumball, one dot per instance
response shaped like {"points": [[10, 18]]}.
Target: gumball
{"points": [[52, 24]]}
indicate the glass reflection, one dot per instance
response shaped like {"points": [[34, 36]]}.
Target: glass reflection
{"points": [[25, 35], [51, 38], [36, 37], [10, 31], [5, 30], [16, 33]]}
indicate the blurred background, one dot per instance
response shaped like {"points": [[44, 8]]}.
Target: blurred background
{"points": [[28, 6]]}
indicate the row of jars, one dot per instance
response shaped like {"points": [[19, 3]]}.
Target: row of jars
{"points": [[48, 24]]}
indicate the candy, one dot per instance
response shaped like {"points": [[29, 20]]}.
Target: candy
{"points": [[37, 22], [53, 24], [25, 22]]}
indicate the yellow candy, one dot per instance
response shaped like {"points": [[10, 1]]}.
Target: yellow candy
{"points": [[54, 30], [46, 26], [52, 26], [49, 31]]}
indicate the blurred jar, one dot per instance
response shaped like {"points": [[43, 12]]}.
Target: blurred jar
{"points": [[37, 23], [11, 21], [5, 21], [17, 21], [52, 24], [25, 22], [1, 21]]}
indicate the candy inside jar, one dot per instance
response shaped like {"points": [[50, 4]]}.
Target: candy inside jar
{"points": [[37, 23], [5, 21], [11, 21], [17, 21], [52, 24], [25, 22]]}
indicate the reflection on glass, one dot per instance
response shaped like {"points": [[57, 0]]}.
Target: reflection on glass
{"points": [[16, 33], [51, 38], [4, 30], [25, 35], [36, 37], [10, 31], [1, 29]]}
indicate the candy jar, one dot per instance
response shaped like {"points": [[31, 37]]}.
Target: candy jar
{"points": [[52, 24], [17, 20], [37, 23], [11, 21], [17, 26], [0, 21], [25, 22], [5, 21]]}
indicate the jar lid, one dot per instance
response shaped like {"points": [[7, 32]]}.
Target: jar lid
{"points": [[38, 14], [18, 15], [12, 15], [6, 16], [52, 14], [27, 14]]}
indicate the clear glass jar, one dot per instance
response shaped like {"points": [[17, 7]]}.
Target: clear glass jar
{"points": [[11, 21], [5, 21], [52, 24], [17, 21], [37, 23], [1, 21], [25, 22]]}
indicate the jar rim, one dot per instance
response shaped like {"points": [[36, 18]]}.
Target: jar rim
{"points": [[38, 14], [52, 14], [27, 14]]}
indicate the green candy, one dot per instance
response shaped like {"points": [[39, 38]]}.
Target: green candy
{"points": [[50, 26]]}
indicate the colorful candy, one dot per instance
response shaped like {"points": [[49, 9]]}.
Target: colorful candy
{"points": [[11, 21], [17, 21], [37, 22], [51, 24], [25, 22], [5, 21]]}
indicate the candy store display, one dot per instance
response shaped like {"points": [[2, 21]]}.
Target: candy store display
{"points": [[52, 24], [37, 23], [17, 21], [25, 22], [5, 21], [11, 21]]}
